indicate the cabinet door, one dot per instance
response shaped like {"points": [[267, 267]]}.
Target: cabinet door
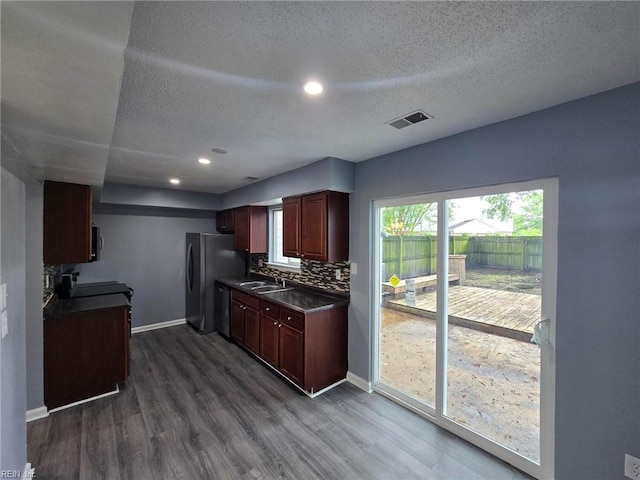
{"points": [[236, 327], [269, 336], [252, 329], [291, 210], [67, 223], [314, 227], [225, 221], [241, 237], [291, 353], [230, 220]]}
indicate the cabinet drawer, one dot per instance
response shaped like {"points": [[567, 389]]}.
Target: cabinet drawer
{"points": [[246, 299], [270, 309], [293, 319]]}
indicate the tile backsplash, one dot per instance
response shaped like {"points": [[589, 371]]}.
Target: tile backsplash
{"points": [[49, 275], [312, 273]]}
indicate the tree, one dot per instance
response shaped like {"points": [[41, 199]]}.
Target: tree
{"points": [[405, 219], [529, 203]]}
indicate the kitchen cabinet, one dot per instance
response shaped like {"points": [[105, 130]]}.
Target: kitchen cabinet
{"points": [[225, 221], [310, 349], [291, 233], [86, 349], [245, 320], [316, 226], [251, 229], [66, 223]]}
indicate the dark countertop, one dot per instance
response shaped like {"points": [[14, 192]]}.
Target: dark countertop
{"points": [[298, 298], [58, 307]]}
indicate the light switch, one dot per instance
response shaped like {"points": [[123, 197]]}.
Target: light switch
{"points": [[5, 324], [354, 268]]}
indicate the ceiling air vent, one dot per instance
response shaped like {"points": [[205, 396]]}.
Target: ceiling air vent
{"points": [[409, 119]]}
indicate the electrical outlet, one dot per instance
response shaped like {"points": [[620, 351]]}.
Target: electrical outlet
{"points": [[631, 467], [3, 297], [5, 324], [354, 268], [338, 274]]}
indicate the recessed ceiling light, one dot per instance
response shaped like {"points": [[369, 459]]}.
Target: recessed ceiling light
{"points": [[204, 161], [174, 181], [313, 88]]}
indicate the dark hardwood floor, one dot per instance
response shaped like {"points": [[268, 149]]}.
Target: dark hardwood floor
{"points": [[198, 407]]}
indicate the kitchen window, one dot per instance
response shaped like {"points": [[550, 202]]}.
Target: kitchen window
{"points": [[276, 258]]}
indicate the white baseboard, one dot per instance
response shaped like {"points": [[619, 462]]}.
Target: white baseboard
{"points": [[359, 382], [155, 326], [37, 413], [80, 402]]}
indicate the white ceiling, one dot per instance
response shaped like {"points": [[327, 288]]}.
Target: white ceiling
{"points": [[202, 75]]}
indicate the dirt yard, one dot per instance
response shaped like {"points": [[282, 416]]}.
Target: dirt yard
{"points": [[493, 382]]}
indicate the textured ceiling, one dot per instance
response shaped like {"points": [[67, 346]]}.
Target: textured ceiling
{"points": [[203, 75]]}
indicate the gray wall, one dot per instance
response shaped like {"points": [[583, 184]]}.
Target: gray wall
{"points": [[34, 287], [12, 350], [146, 252], [120, 194], [592, 145], [327, 174]]}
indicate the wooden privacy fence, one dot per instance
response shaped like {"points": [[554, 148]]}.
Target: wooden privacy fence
{"points": [[414, 256]]}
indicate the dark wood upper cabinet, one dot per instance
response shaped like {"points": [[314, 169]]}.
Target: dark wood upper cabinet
{"points": [[67, 223], [316, 226], [251, 229], [291, 216], [225, 221]]}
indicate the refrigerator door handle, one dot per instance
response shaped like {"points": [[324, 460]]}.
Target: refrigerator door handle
{"points": [[189, 276]]}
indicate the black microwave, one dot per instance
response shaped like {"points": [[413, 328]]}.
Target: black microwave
{"points": [[96, 243]]}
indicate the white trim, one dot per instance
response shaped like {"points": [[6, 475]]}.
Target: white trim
{"points": [[359, 382], [37, 413], [155, 326], [325, 389], [80, 402], [283, 267]]}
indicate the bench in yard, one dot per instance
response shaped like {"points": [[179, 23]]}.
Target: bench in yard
{"points": [[421, 283]]}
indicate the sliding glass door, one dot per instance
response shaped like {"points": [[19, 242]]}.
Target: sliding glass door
{"points": [[463, 280]]}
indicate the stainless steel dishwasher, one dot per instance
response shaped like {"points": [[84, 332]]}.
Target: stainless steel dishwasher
{"points": [[222, 309]]}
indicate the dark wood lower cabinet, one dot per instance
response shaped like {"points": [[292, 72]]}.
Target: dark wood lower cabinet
{"points": [[308, 348], [291, 353], [245, 320], [85, 354]]}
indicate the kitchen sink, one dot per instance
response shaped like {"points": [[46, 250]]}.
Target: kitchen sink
{"points": [[254, 284], [270, 289]]}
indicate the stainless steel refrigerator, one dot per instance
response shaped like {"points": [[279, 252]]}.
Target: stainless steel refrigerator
{"points": [[209, 257]]}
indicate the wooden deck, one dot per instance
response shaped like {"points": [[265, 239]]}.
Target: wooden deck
{"points": [[509, 314]]}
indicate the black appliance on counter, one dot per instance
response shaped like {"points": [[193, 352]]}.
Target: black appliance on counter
{"points": [[70, 288]]}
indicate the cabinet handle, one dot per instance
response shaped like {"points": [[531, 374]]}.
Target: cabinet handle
{"points": [[279, 325], [275, 323], [288, 318], [267, 309]]}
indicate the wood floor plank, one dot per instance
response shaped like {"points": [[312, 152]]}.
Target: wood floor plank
{"points": [[198, 407]]}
